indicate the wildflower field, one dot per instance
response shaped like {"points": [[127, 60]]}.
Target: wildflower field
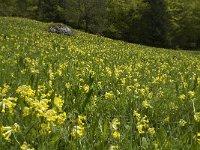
{"points": [[89, 92]]}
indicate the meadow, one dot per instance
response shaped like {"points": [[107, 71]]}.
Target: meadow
{"points": [[89, 92]]}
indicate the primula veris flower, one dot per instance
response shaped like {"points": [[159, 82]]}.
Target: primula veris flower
{"points": [[191, 94], [86, 88], [145, 104], [182, 97], [109, 95], [114, 147], [77, 131], [8, 103], [140, 128], [115, 123], [197, 116], [61, 118], [25, 91], [6, 131], [151, 131], [58, 101], [116, 134], [182, 123], [26, 146]]}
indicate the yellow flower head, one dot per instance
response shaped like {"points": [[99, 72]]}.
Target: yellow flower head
{"points": [[26, 146], [151, 131], [115, 123], [182, 97], [145, 104], [182, 123], [109, 95], [77, 131], [116, 134], [197, 116], [191, 94]]}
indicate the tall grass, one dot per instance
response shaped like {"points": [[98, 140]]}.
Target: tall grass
{"points": [[89, 92]]}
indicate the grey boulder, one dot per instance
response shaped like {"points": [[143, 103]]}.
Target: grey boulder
{"points": [[61, 29]]}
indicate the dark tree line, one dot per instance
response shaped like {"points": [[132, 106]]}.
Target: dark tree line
{"points": [[161, 23]]}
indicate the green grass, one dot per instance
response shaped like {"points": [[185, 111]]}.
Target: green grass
{"points": [[114, 93]]}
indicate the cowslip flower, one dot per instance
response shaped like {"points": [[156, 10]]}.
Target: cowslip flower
{"points": [[116, 134], [8, 103], [77, 131], [182, 123], [151, 131], [182, 97], [115, 123], [26, 146], [145, 104], [191, 94], [109, 95], [197, 116], [58, 101], [6, 131]]}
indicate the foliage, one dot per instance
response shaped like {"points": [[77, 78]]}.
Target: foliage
{"points": [[160, 23], [184, 23], [90, 92]]}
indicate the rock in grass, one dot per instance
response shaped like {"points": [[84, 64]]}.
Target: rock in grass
{"points": [[61, 29]]}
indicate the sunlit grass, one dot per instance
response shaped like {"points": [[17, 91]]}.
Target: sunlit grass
{"points": [[90, 92]]}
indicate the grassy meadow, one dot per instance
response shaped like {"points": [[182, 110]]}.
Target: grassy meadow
{"points": [[89, 92]]}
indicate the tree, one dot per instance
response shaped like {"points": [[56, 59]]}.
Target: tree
{"points": [[184, 17], [8, 7], [125, 19], [86, 14], [48, 10], [155, 24]]}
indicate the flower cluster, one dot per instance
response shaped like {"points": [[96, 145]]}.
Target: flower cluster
{"points": [[115, 126], [7, 131], [143, 124], [78, 127]]}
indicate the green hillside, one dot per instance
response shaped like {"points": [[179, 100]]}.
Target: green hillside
{"points": [[90, 92]]}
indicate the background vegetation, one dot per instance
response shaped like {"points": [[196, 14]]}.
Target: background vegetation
{"points": [[161, 23]]}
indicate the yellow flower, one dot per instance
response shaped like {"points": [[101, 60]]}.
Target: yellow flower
{"points": [[4, 90], [197, 116], [140, 128], [45, 128], [25, 91], [26, 111], [51, 115], [109, 95], [116, 134], [137, 115], [114, 147], [145, 104], [6, 131], [108, 71], [68, 85], [58, 101], [9, 103], [129, 88], [182, 97], [166, 120], [191, 94], [26, 146], [61, 118], [182, 123], [81, 120], [151, 131], [123, 81], [115, 123], [77, 131], [86, 88], [198, 137]]}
